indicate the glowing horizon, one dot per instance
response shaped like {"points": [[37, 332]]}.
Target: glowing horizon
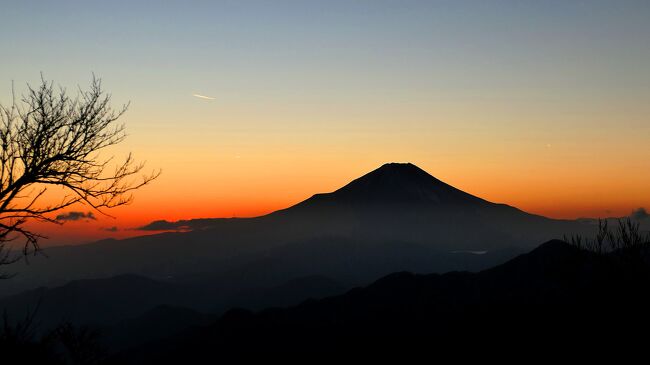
{"points": [[127, 219], [249, 107]]}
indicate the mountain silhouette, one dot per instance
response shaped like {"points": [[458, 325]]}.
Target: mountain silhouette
{"points": [[128, 298], [397, 183], [401, 202], [395, 218], [94, 301], [554, 301]]}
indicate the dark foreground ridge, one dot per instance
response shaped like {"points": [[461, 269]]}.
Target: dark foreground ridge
{"points": [[554, 299]]}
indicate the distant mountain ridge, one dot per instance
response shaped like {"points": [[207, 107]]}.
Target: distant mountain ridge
{"points": [[107, 301], [397, 217], [390, 184], [400, 201]]}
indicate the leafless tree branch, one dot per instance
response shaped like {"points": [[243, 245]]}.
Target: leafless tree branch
{"points": [[49, 139]]}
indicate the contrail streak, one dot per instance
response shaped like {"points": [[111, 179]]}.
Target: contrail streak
{"points": [[203, 97]]}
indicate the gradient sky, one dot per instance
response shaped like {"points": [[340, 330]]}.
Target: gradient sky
{"points": [[544, 105]]}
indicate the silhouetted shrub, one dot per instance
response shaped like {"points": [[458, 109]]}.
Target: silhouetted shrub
{"points": [[66, 344], [626, 239], [79, 345]]}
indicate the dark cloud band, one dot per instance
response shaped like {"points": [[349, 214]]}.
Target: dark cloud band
{"points": [[75, 216]]}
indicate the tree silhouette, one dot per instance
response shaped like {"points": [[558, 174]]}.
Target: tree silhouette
{"points": [[626, 240], [51, 146]]}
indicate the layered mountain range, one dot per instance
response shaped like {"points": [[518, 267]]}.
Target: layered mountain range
{"points": [[395, 218]]}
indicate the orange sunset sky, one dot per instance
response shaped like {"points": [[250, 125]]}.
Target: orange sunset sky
{"points": [[544, 107]]}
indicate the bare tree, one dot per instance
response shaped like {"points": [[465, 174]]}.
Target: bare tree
{"points": [[51, 145]]}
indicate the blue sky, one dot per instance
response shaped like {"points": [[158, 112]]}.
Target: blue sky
{"points": [[499, 98]]}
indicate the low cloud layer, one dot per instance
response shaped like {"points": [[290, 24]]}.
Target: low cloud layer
{"points": [[182, 225], [111, 229], [161, 225], [75, 216]]}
